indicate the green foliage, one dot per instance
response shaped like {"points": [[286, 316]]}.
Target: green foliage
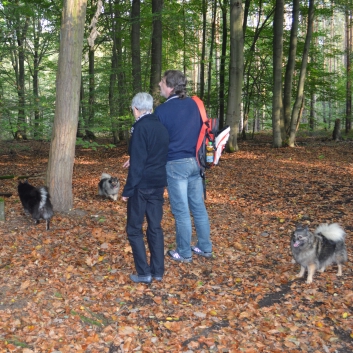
{"points": [[182, 24], [92, 144]]}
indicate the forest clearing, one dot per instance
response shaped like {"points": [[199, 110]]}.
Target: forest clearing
{"points": [[68, 289]]}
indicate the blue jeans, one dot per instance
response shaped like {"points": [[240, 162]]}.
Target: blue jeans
{"points": [[185, 191], [147, 202]]}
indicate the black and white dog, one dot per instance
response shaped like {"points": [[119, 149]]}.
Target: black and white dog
{"points": [[108, 186], [36, 201]]}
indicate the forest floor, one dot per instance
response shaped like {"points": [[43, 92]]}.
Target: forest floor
{"points": [[68, 290]]}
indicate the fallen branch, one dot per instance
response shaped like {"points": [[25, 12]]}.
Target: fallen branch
{"points": [[5, 194], [20, 176]]}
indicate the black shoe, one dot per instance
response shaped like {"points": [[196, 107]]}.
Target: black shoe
{"points": [[141, 279]]}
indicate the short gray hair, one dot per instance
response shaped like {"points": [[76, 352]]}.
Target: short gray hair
{"points": [[142, 101]]}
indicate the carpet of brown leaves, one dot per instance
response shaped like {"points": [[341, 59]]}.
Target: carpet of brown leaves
{"points": [[68, 290]]}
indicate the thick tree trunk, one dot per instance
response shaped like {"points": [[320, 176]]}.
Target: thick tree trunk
{"points": [[300, 92], [277, 73], [135, 46], [236, 72], [62, 147], [156, 54], [288, 81]]}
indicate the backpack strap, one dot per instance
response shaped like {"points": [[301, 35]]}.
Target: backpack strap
{"points": [[201, 138], [204, 126], [201, 107]]}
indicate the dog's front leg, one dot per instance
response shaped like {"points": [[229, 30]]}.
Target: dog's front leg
{"points": [[339, 273], [301, 273], [311, 271]]}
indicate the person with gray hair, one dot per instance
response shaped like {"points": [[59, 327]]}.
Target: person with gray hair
{"points": [[144, 189], [143, 102]]}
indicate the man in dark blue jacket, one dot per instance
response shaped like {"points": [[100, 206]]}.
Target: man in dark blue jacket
{"points": [[181, 116], [144, 188]]}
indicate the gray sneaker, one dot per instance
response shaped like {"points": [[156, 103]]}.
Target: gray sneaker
{"points": [[199, 252], [175, 256]]}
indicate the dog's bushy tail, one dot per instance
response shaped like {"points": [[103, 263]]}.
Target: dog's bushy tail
{"points": [[333, 232], [105, 176]]}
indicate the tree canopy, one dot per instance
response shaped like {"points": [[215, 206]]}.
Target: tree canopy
{"points": [[135, 41]]}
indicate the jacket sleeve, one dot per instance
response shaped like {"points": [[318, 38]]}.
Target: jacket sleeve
{"points": [[138, 158]]}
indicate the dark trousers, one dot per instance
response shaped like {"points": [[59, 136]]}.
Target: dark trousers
{"points": [[147, 202]]}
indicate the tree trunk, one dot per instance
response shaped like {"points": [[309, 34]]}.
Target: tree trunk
{"points": [[156, 54], [209, 77], [277, 73], [236, 72], [312, 116], [348, 70], [123, 100], [89, 124], [135, 46], [300, 92], [203, 49], [288, 81], [68, 80], [21, 120], [36, 61], [113, 106], [223, 64], [82, 112], [336, 135]]}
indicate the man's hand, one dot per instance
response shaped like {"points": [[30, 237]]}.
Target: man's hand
{"points": [[127, 164], [124, 198]]}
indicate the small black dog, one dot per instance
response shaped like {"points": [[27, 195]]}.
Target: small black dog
{"points": [[108, 186], [36, 201]]}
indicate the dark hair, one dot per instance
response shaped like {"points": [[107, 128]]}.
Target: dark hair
{"points": [[176, 79]]}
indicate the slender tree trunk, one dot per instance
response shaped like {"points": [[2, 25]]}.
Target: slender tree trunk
{"points": [[246, 15], [277, 73], [123, 100], [300, 92], [348, 70], [236, 72], [288, 81], [21, 120], [62, 147], [82, 111], [203, 49], [312, 116], [156, 52], [36, 24], [91, 95], [209, 77], [113, 109], [185, 49], [135, 46], [223, 63]]}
